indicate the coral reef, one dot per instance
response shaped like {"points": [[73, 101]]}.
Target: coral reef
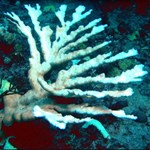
{"points": [[37, 102]]}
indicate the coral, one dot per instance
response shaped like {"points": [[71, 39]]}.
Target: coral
{"points": [[38, 102], [126, 64], [115, 71], [49, 8], [4, 86]]}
